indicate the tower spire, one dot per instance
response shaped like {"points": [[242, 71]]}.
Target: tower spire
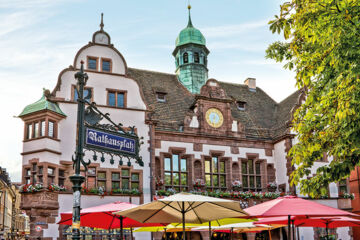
{"points": [[189, 23], [102, 23]]}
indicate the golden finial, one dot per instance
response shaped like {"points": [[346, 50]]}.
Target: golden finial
{"points": [[189, 6]]}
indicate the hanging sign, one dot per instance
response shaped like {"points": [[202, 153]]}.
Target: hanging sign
{"points": [[111, 141]]}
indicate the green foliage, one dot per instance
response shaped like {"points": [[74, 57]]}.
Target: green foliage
{"points": [[322, 46]]}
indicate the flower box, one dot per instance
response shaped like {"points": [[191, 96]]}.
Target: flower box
{"points": [[344, 203]]}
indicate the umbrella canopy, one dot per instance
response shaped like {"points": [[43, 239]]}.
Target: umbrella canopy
{"points": [[294, 206], [185, 208], [188, 226], [101, 217], [329, 222], [196, 208]]}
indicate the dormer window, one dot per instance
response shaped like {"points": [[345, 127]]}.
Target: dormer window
{"points": [[92, 63], [186, 57], [161, 96], [106, 65], [240, 105], [196, 57]]}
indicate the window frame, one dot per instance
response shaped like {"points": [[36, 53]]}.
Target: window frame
{"points": [[116, 91], [42, 133], [196, 57], [185, 57], [218, 173], [248, 175], [162, 100], [110, 63], [92, 58], [73, 89], [179, 187], [241, 105]]}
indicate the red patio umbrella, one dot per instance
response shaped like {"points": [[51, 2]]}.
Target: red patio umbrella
{"points": [[102, 217], [294, 206], [324, 222]]}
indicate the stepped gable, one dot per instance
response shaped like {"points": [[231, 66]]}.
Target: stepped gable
{"points": [[171, 113]]}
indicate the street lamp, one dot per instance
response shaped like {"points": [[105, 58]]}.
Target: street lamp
{"points": [[77, 179]]}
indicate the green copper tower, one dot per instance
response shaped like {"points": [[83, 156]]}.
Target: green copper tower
{"points": [[191, 58]]}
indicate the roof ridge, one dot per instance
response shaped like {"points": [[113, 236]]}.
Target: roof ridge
{"points": [[289, 96], [172, 74]]}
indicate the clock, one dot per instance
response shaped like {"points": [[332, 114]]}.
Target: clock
{"points": [[101, 38], [214, 117]]}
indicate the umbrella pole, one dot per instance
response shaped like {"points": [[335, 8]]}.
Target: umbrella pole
{"points": [[183, 220], [131, 230], [289, 227], [293, 230], [209, 230], [327, 231], [231, 233], [121, 228], [269, 234]]}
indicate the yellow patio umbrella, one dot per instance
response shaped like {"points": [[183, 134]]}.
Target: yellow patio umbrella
{"points": [[184, 208]]}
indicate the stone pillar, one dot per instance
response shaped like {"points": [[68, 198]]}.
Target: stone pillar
{"points": [[42, 207]]}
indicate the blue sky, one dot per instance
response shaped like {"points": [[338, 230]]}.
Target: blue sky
{"points": [[39, 38]]}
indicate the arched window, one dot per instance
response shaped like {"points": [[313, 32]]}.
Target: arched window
{"points": [[196, 57], [186, 57]]}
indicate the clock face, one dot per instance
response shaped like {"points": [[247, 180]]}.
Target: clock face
{"points": [[101, 38], [214, 117]]}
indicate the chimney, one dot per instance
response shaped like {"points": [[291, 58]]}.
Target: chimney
{"points": [[251, 83]]}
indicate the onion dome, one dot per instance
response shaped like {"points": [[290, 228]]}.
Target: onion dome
{"points": [[190, 35]]}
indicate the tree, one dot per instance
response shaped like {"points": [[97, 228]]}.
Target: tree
{"points": [[322, 46]]}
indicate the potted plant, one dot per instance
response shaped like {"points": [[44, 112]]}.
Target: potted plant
{"points": [[236, 185], [344, 201], [198, 184], [159, 183], [272, 186]]}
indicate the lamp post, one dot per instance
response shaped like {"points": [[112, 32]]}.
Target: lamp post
{"points": [[77, 179]]}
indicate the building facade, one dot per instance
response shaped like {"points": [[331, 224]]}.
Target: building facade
{"points": [[13, 222], [200, 135]]}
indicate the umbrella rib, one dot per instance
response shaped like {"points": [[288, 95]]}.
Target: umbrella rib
{"points": [[81, 215], [197, 205], [196, 213], [165, 204], [227, 208]]}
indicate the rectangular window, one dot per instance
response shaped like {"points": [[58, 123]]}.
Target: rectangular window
{"points": [[61, 182], [240, 105], [115, 180], [135, 181], [92, 63], [91, 171], [160, 97], [40, 170], [101, 179], [27, 172], [61, 179], [51, 128], [29, 131], [116, 98], [343, 186], [42, 131], [215, 173], [36, 130], [251, 175], [176, 175], [106, 65], [87, 94], [50, 171], [125, 178]]}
